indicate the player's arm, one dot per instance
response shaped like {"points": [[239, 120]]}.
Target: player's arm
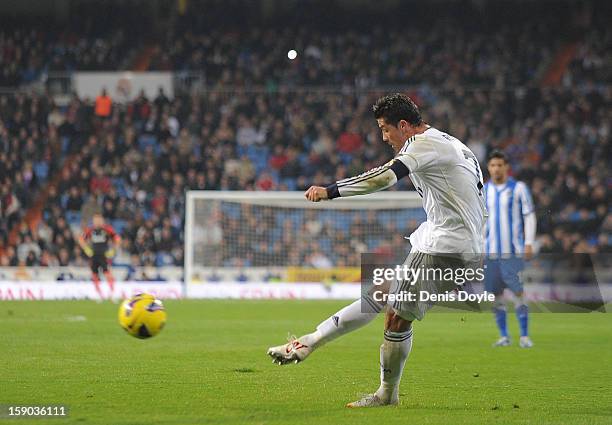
{"points": [[529, 220], [82, 240], [116, 242], [378, 178], [417, 155]]}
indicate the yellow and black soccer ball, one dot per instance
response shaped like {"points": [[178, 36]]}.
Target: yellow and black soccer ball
{"points": [[142, 316]]}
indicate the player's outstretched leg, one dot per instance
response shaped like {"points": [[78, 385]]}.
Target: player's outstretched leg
{"points": [[499, 309], [344, 321], [393, 355], [522, 315]]}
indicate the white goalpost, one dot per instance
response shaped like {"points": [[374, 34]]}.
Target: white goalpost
{"points": [[260, 237]]}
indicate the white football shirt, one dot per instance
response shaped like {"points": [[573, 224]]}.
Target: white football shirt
{"points": [[448, 177]]}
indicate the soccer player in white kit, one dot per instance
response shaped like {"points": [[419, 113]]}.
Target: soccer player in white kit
{"points": [[448, 177]]}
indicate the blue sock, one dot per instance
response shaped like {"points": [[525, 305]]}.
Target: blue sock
{"points": [[500, 319], [522, 314]]}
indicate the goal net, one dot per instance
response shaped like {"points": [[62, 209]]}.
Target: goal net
{"points": [[281, 237]]}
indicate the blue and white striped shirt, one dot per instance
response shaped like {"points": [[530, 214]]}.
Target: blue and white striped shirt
{"points": [[508, 205]]}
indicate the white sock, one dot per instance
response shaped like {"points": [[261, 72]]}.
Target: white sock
{"points": [[393, 354], [344, 321]]}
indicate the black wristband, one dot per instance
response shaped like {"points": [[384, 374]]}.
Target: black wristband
{"points": [[400, 169], [332, 191]]}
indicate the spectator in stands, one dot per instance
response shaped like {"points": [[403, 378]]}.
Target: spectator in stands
{"points": [[9, 257], [28, 250], [103, 105], [74, 202]]}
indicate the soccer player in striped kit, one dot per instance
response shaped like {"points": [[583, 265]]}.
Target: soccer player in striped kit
{"points": [[510, 234]]}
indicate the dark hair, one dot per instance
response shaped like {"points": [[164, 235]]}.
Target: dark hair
{"points": [[497, 154], [396, 107]]}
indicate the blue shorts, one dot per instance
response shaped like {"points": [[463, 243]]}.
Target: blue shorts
{"points": [[503, 273]]}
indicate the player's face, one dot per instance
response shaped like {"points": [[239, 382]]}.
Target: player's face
{"points": [[391, 134], [498, 170], [98, 221]]}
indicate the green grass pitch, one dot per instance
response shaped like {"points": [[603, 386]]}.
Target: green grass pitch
{"points": [[209, 365]]}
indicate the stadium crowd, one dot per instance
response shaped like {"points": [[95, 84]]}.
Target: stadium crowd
{"points": [[444, 46], [135, 164], [591, 65], [444, 55], [96, 37], [26, 55]]}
